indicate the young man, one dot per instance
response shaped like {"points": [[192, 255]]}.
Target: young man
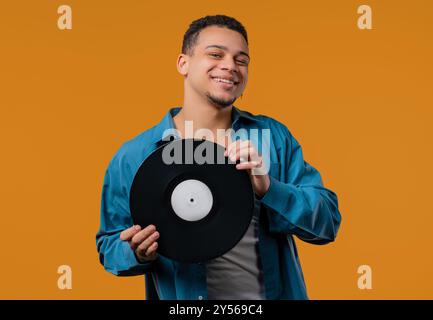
{"points": [[289, 198]]}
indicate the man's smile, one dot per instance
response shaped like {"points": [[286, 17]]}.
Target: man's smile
{"points": [[225, 82]]}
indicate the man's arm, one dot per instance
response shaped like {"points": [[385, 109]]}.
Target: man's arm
{"points": [[301, 205], [115, 254]]}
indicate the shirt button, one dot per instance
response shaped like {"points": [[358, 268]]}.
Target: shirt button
{"points": [[200, 297]]}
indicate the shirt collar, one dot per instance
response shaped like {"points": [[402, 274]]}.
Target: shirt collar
{"points": [[166, 126]]}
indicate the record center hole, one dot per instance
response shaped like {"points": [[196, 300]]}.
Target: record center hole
{"points": [[191, 200]]}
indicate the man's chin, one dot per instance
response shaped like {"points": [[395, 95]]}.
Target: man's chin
{"points": [[220, 102]]}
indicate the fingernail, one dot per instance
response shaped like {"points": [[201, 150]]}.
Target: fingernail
{"points": [[137, 227]]}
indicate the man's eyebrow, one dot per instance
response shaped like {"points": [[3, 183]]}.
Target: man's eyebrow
{"points": [[225, 48]]}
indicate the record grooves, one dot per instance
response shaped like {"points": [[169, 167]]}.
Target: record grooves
{"points": [[200, 209]]}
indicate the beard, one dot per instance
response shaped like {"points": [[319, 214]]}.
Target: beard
{"points": [[218, 102]]}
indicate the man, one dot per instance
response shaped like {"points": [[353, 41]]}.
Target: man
{"points": [[289, 198]]}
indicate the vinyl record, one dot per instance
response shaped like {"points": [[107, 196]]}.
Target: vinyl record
{"points": [[199, 202]]}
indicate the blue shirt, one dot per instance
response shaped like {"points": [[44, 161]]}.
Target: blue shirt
{"points": [[296, 204]]}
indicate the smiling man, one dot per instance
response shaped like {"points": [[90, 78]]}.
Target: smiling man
{"points": [[290, 199]]}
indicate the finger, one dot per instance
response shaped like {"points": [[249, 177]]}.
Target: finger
{"points": [[244, 145], [127, 234], [245, 154], [141, 236], [247, 165], [151, 251], [232, 146], [146, 243], [149, 254]]}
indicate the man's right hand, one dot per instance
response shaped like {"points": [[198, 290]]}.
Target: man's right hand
{"points": [[142, 242]]}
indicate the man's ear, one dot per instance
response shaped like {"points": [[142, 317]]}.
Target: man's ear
{"points": [[182, 64]]}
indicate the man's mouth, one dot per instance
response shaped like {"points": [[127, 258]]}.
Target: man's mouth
{"points": [[225, 81]]}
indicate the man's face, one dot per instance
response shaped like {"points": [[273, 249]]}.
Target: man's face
{"points": [[218, 66]]}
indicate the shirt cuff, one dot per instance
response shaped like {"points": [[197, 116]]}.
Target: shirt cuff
{"points": [[135, 266]]}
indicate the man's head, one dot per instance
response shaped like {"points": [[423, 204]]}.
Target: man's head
{"points": [[214, 59]]}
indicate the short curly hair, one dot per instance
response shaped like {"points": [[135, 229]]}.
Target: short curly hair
{"points": [[191, 35]]}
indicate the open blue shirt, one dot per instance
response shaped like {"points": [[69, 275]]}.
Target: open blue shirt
{"points": [[296, 203]]}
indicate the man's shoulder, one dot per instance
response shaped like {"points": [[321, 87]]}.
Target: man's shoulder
{"points": [[133, 151]]}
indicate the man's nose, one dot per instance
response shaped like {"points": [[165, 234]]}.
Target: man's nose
{"points": [[229, 64]]}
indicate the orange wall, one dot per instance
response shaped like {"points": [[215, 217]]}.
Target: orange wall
{"points": [[360, 103]]}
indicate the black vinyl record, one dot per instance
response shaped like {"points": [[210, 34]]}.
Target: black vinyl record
{"points": [[200, 204]]}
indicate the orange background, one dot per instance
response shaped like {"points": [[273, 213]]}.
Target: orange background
{"points": [[359, 101]]}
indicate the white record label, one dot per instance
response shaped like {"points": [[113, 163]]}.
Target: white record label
{"points": [[191, 200]]}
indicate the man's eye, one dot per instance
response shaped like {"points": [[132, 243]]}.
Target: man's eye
{"points": [[242, 62], [216, 55]]}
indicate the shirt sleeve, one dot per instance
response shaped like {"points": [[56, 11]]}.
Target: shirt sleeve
{"points": [[301, 205], [116, 255]]}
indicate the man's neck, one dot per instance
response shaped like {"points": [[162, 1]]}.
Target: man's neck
{"points": [[203, 116]]}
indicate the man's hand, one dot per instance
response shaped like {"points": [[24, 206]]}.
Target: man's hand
{"points": [[249, 159], [143, 242]]}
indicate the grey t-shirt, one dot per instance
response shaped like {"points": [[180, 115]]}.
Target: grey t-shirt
{"points": [[238, 273]]}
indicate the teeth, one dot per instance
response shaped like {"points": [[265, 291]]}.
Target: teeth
{"points": [[224, 80]]}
